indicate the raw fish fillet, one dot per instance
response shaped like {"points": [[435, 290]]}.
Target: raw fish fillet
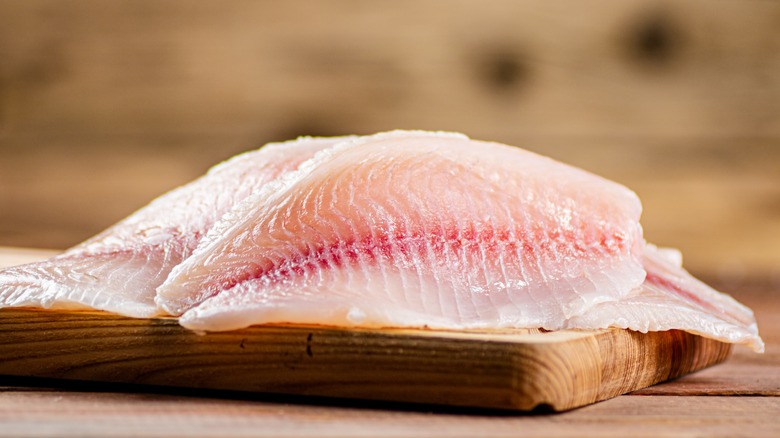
{"points": [[670, 298], [119, 269], [434, 229]]}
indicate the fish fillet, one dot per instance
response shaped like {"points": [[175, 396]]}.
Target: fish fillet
{"points": [[119, 269], [671, 298], [437, 230]]}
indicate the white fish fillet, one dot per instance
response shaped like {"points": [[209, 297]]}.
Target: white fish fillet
{"points": [[427, 217], [433, 229], [119, 269], [670, 298]]}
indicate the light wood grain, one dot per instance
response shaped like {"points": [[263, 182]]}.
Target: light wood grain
{"points": [[509, 370], [720, 401], [619, 361], [110, 414], [245, 70], [506, 370], [107, 104]]}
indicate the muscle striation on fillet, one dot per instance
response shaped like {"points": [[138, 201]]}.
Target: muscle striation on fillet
{"points": [[402, 229], [432, 224], [437, 230], [119, 269]]}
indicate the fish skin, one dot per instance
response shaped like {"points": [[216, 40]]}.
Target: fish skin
{"points": [[119, 269], [412, 229]]}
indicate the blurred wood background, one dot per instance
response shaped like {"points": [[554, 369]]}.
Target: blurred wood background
{"points": [[106, 104]]}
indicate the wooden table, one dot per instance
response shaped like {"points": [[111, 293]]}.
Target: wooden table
{"points": [[738, 398]]}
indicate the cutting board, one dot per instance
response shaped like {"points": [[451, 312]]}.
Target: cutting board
{"points": [[507, 369]]}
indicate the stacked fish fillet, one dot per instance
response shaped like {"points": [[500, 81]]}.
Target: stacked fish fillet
{"points": [[403, 229]]}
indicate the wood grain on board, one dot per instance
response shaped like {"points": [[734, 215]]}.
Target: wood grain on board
{"points": [[514, 370], [737, 398], [507, 369]]}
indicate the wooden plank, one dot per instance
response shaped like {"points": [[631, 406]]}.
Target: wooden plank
{"points": [[678, 100], [105, 410], [628, 69], [110, 414], [507, 369], [745, 374]]}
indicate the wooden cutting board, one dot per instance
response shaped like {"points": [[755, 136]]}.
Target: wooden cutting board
{"points": [[509, 369]]}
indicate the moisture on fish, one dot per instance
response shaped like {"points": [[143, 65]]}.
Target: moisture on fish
{"points": [[119, 269], [410, 229]]}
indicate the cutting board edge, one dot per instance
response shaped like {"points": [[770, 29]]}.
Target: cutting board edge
{"points": [[396, 366]]}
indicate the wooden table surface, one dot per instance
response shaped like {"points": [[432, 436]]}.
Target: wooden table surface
{"points": [[737, 398]]}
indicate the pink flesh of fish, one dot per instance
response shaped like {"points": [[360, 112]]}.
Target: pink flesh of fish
{"points": [[119, 269], [426, 229]]}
